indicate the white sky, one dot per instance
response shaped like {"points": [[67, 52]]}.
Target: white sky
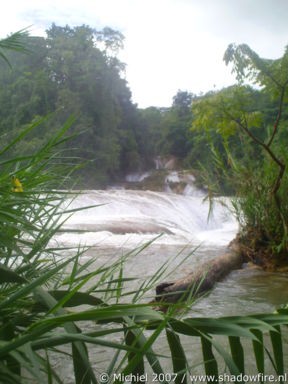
{"points": [[169, 44]]}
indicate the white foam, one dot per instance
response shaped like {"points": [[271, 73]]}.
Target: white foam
{"points": [[125, 215], [191, 190], [173, 177], [137, 177]]}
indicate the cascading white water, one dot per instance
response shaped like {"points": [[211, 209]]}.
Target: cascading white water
{"points": [[126, 218], [141, 215]]}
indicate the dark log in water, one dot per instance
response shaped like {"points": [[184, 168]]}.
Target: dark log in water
{"points": [[203, 279]]}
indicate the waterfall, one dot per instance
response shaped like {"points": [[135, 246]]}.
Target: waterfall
{"points": [[158, 163], [127, 215]]}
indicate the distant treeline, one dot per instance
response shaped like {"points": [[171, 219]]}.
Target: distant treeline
{"points": [[75, 71]]}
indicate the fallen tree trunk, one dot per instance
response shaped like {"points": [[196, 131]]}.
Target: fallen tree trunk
{"points": [[203, 279]]}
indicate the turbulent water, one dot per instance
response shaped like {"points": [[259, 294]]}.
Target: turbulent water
{"points": [[175, 225], [137, 216]]}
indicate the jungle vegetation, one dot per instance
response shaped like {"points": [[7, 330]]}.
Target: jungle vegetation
{"points": [[76, 71], [41, 310], [234, 139]]}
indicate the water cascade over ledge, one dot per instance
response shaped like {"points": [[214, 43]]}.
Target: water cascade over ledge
{"points": [[142, 215], [125, 219]]}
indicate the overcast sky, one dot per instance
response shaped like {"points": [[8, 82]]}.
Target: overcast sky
{"points": [[169, 44]]}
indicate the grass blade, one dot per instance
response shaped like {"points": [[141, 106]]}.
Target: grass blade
{"points": [[131, 340], [258, 348], [178, 356], [276, 340], [9, 276], [210, 363], [237, 352], [80, 370]]}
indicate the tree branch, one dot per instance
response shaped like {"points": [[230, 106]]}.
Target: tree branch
{"points": [[266, 148], [276, 124], [255, 139]]}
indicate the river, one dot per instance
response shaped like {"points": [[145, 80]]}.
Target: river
{"points": [[178, 229], [176, 225]]}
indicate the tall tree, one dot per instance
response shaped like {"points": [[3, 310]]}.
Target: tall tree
{"points": [[178, 122], [74, 71]]}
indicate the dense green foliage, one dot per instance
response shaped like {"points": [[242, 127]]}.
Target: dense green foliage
{"points": [[68, 73], [36, 328], [234, 138], [76, 71], [256, 166]]}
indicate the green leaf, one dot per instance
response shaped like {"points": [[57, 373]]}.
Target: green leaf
{"points": [[276, 339], [22, 135], [8, 377], [9, 276], [145, 349], [237, 352], [258, 348], [81, 356], [193, 326], [132, 340], [178, 356], [13, 365], [30, 287], [80, 370], [210, 363], [229, 362], [78, 298]]}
